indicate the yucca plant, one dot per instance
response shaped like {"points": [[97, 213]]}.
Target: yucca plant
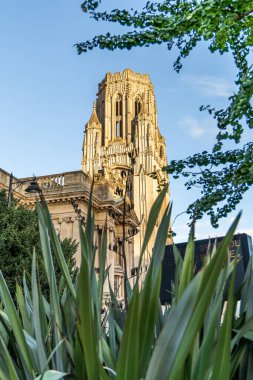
{"points": [[67, 337]]}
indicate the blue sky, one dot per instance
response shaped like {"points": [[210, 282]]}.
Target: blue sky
{"points": [[47, 90]]}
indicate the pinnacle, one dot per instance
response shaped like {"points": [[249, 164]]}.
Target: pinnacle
{"points": [[94, 117]]}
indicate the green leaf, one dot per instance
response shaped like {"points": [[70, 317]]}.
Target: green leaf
{"points": [[23, 310], [153, 215], [186, 319], [55, 310], [87, 338], [37, 318], [102, 260], [171, 336], [210, 329], [27, 362], [51, 375], [107, 355], [178, 265], [12, 374], [187, 269], [246, 331], [222, 359], [112, 336], [128, 362], [149, 296], [46, 221]]}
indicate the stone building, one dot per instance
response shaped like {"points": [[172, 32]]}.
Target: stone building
{"points": [[124, 151]]}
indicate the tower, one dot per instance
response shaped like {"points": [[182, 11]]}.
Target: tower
{"points": [[124, 147], [124, 153]]}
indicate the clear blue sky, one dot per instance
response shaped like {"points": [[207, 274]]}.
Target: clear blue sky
{"points": [[47, 90]]}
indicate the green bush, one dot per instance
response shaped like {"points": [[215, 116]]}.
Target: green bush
{"points": [[66, 337], [19, 234]]}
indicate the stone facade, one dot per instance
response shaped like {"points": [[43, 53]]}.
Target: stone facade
{"points": [[124, 151]]}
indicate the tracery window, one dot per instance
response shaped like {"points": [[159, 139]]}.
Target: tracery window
{"points": [[118, 286], [118, 125], [137, 110], [118, 128], [137, 106], [118, 106]]}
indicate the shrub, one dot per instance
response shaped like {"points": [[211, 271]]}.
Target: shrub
{"points": [[19, 234], [68, 338]]}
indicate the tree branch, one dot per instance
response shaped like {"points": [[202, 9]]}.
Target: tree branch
{"points": [[244, 14]]}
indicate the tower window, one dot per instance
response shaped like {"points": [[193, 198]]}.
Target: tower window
{"points": [[118, 125], [118, 106], [118, 128], [137, 107]]}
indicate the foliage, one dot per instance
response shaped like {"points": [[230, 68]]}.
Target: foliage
{"points": [[227, 27], [69, 248], [19, 235], [68, 338]]}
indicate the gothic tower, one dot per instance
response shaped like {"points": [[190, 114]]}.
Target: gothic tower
{"points": [[123, 145]]}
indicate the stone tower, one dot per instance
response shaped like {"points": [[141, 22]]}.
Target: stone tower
{"points": [[124, 148], [124, 152]]}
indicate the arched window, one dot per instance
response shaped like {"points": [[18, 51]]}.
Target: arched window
{"points": [[118, 126], [137, 106], [119, 106], [137, 109]]}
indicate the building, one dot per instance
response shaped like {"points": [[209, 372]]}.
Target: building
{"points": [[124, 151], [241, 246]]}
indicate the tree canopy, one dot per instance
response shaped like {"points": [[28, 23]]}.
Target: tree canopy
{"points": [[227, 27], [19, 235]]}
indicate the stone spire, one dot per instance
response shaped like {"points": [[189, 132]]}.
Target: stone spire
{"points": [[92, 143], [94, 116]]}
